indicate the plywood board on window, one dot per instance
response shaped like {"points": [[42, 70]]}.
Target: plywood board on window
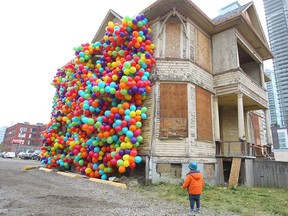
{"points": [[204, 114], [173, 110], [256, 129], [203, 57], [173, 38]]}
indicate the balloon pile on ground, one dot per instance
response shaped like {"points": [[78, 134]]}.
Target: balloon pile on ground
{"points": [[97, 111]]}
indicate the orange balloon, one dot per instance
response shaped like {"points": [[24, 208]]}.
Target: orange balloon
{"points": [[121, 169], [125, 105]]}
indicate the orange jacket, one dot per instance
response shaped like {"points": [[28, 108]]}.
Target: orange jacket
{"points": [[194, 182]]}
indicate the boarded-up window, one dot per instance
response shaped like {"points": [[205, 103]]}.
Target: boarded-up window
{"points": [[204, 114], [173, 110], [203, 51], [255, 128], [173, 37]]}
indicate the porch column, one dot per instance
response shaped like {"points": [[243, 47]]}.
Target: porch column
{"points": [[216, 119], [241, 124], [247, 126], [268, 130], [262, 76]]}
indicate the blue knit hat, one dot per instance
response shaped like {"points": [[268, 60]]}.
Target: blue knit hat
{"points": [[193, 165]]}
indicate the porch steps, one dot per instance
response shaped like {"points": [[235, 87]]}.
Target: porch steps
{"points": [[234, 174]]}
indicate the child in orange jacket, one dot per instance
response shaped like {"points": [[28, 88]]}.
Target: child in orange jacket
{"points": [[194, 183]]}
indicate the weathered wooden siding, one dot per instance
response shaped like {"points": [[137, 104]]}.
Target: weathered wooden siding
{"points": [[270, 173], [173, 38], [192, 44], [147, 126], [192, 112], [203, 57], [184, 71], [202, 149], [225, 54], [230, 82], [155, 39]]}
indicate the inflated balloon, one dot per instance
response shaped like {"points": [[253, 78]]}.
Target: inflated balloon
{"points": [[97, 111]]}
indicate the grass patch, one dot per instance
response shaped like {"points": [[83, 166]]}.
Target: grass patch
{"points": [[240, 200]]}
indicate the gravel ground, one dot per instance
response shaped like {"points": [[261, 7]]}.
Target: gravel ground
{"points": [[35, 192]]}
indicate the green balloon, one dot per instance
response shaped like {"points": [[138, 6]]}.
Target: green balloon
{"points": [[90, 121], [124, 79], [81, 162], [110, 139], [144, 109]]}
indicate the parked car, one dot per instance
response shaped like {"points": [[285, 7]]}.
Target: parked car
{"points": [[10, 155], [36, 155], [3, 154], [20, 154], [27, 154]]}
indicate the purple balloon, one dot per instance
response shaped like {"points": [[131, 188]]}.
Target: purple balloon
{"points": [[133, 140]]}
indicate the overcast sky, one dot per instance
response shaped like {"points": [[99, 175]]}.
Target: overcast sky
{"points": [[37, 37]]}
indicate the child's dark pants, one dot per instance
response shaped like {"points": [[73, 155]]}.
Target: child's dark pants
{"points": [[194, 198]]}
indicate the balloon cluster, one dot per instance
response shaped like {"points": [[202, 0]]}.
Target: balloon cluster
{"points": [[97, 108]]}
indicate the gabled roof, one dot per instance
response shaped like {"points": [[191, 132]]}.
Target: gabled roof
{"points": [[231, 13], [248, 8], [111, 15], [185, 7], [244, 19]]}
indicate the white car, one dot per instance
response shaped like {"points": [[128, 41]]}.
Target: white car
{"points": [[10, 155], [20, 154]]}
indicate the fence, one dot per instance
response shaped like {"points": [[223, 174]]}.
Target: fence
{"points": [[269, 173]]}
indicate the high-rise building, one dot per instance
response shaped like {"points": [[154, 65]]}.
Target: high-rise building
{"points": [[273, 100], [2, 133], [276, 12], [229, 7]]}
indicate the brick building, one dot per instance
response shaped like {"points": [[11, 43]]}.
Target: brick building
{"points": [[23, 136]]}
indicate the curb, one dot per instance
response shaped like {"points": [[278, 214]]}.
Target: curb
{"points": [[30, 167], [72, 175], [45, 169], [116, 184]]}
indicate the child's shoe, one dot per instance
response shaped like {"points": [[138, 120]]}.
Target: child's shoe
{"points": [[198, 211]]}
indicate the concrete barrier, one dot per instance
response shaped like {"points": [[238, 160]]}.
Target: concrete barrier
{"points": [[116, 184], [45, 169], [72, 175]]}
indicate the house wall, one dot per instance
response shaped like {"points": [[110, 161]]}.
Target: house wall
{"points": [[252, 69], [229, 129], [183, 56], [224, 51]]}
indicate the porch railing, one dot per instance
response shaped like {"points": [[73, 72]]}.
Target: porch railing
{"points": [[235, 149]]}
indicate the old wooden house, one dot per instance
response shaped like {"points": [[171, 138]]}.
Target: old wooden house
{"points": [[208, 102]]}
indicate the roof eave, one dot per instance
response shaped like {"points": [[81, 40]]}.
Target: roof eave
{"points": [[239, 20], [101, 30]]}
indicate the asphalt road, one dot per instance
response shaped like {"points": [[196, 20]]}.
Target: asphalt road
{"points": [[34, 192]]}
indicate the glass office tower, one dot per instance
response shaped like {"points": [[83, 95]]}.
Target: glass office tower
{"points": [[276, 12]]}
